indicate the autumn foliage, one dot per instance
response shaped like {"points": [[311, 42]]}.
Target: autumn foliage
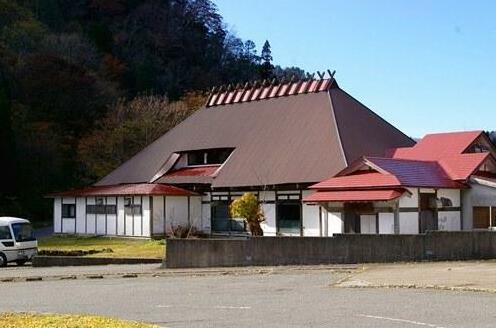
{"points": [[248, 208]]}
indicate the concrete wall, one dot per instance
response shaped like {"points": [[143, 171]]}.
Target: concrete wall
{"points": [[438, 245]]}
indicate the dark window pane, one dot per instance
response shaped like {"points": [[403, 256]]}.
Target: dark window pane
{"points": [[68, 210], [111, 209], [217, 156], [196, 158], [137, 209], [5, 232], [289, 218]]}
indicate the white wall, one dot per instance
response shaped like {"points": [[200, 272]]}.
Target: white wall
{"points": [[311, 217], [121, 225], [111, 218], [386, 223], [158, 215], [477, 195], [195, 210], [145, 227], [269, 209], [409, 222], [410, 199], [57, 214], [176, 212], [68, 224], [80, 215], [452, 194], [206, 213], [449, 220], [335, 223], [368, 224]]}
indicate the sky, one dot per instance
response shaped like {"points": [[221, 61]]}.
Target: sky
{"points": [[424, 66]]}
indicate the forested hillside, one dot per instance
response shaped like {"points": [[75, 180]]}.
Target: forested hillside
{"points": [[85, 84]]}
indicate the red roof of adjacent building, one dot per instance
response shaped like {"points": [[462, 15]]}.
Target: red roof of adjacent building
{"points": [[361, 179], [125, 190], [437, 161], [438, 145], [354, 195]]}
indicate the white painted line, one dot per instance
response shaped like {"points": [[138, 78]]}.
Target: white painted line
{"points": [[233, 307], [164, 306], [418, 323]]}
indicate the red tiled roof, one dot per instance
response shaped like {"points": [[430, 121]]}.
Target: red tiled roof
{"points": [[362, 179], [437, 146], [460, 167], [354, 195], [200, 171], [126, 189]]}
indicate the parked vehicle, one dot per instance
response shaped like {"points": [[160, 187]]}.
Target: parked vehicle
{"points": [[17, 241]]}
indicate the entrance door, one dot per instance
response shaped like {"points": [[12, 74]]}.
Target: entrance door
{"points": [[428, 212], [368, 224], [289, 217]]}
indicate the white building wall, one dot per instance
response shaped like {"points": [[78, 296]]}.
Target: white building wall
{"points": [[57, 215], [195, 211], [121, 225], [449, 220], [451, 194], [111, 218], [146, 217], [368, 224], [409, 222], [158, 215], [311, 217], [269, 208], [335, 223], [410, 199], [477, 195], [176, 212], [206, 214], [80, 215], [386, 223], [90, 218], [68, 224]]}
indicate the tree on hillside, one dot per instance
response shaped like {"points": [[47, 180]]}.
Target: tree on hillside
{"points": [[266, 68], [130, 126]]}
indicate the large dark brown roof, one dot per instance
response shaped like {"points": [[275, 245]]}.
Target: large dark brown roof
{"points": [[299, 138]]}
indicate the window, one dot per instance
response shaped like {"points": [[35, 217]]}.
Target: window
{"points": [[130, 208], [24, 231], [208, 157], [5, 232], [69, 211], [101, 209]]}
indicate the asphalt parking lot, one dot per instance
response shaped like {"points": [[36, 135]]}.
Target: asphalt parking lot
{"points": [[283, 299]]}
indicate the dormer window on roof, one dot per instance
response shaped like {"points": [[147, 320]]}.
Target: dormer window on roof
{"points": [[208, 156]]}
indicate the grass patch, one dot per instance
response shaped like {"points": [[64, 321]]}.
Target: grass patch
{"points": [[104, 246], [30, 320]]}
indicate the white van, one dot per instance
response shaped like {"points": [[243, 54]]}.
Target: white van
{"points": [[17, 241]]}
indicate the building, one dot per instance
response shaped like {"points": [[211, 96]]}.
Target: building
{"points": [[446, 181], [273, 140]]}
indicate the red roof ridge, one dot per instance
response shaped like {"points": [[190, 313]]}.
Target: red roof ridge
{"points": [[267, 90], [453, 132]]}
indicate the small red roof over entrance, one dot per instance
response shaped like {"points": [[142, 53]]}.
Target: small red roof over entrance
{"points": [[125, 190], [354, 195]]}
